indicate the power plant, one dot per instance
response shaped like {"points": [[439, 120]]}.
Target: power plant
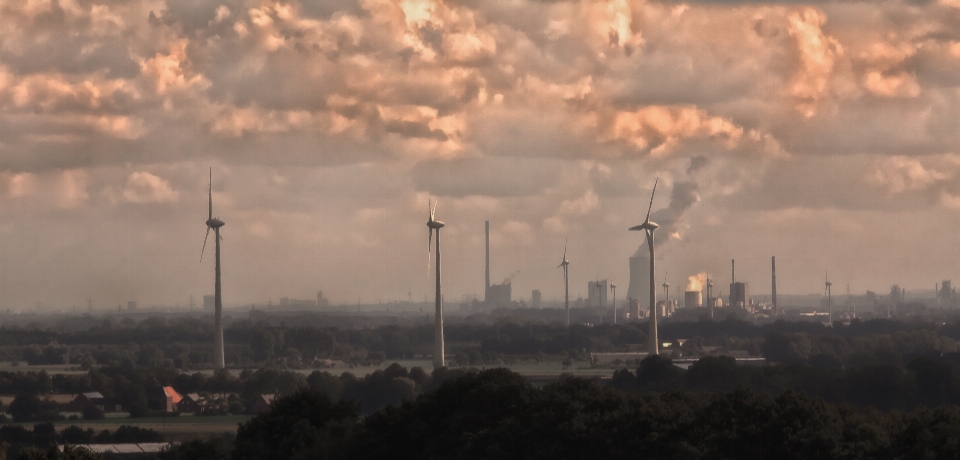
{"points": [[496, 295], [639, 288], [946, 296], [600, 287], [739, 292], [597, 293], [692, 299]]}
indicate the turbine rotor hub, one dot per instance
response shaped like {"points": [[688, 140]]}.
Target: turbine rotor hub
{"points": [[646, 226]]}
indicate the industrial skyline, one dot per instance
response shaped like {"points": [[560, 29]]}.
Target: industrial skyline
{"points": [[777, 128]]}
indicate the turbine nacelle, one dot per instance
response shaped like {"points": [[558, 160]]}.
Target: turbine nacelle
{"points": [[212, 222], [433, 223], [646, 226]]}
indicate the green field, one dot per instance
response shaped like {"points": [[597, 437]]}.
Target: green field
{"points": [[184, 427], [580, 369]]}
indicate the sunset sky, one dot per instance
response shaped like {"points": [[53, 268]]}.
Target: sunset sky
{"points": [[825, 133]]}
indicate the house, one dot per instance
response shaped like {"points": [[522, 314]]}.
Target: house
{"points": [[94, 399], [191, 402], [170, 399], [262, 403], [61, 400]]}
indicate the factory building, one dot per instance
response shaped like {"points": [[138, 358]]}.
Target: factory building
{"points": [[595, 298], [739, 294], [639, 289]]}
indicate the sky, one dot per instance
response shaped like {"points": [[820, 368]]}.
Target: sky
{"points": [[824, 133]]}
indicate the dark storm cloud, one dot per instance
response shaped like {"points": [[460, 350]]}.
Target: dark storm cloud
{"points": [[413, 129]]}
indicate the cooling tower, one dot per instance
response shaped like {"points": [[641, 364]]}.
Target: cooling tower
{"points": [[692, 299]]}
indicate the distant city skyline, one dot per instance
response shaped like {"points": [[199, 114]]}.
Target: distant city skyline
{"points": [[805, 131]]}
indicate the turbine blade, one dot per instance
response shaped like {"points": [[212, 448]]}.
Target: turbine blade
{"points": [[433, 211], [210, 194], [564, 260], [651, 199], [204, 244]]}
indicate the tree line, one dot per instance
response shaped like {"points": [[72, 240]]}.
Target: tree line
{"points": [[498, 414], [184, 343]]}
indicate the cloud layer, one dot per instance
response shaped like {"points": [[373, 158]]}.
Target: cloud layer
{"points": [[797, 129]]}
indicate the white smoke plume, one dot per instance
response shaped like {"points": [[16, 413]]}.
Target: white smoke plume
{"points": [[697, 282]]}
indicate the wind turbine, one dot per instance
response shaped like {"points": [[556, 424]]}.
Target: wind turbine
{"points": [[648, 227], [566, 282], [666, 289], [215, 224], [826, 289], [613, 287], [434, 224]]}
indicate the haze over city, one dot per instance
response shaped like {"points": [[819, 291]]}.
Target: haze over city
{"points": [[824, 134]]}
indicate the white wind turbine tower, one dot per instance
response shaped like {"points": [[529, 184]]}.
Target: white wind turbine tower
{"points": [[215, 224], [434, 224], [648, 227], [566, 282]]}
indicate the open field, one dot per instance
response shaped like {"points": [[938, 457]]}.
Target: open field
{"points": [[184, 427], [7, 366], [580, 369]]}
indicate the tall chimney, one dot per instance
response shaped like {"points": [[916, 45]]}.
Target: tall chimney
{"points": [[486, 226], [733, 271], [773, 266]]}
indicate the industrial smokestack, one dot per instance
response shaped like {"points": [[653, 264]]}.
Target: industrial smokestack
{"points": [[733, 271], [486, 225], [773, 267]]}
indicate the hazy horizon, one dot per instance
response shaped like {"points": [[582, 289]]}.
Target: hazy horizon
{"points": [[823, 133]]}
